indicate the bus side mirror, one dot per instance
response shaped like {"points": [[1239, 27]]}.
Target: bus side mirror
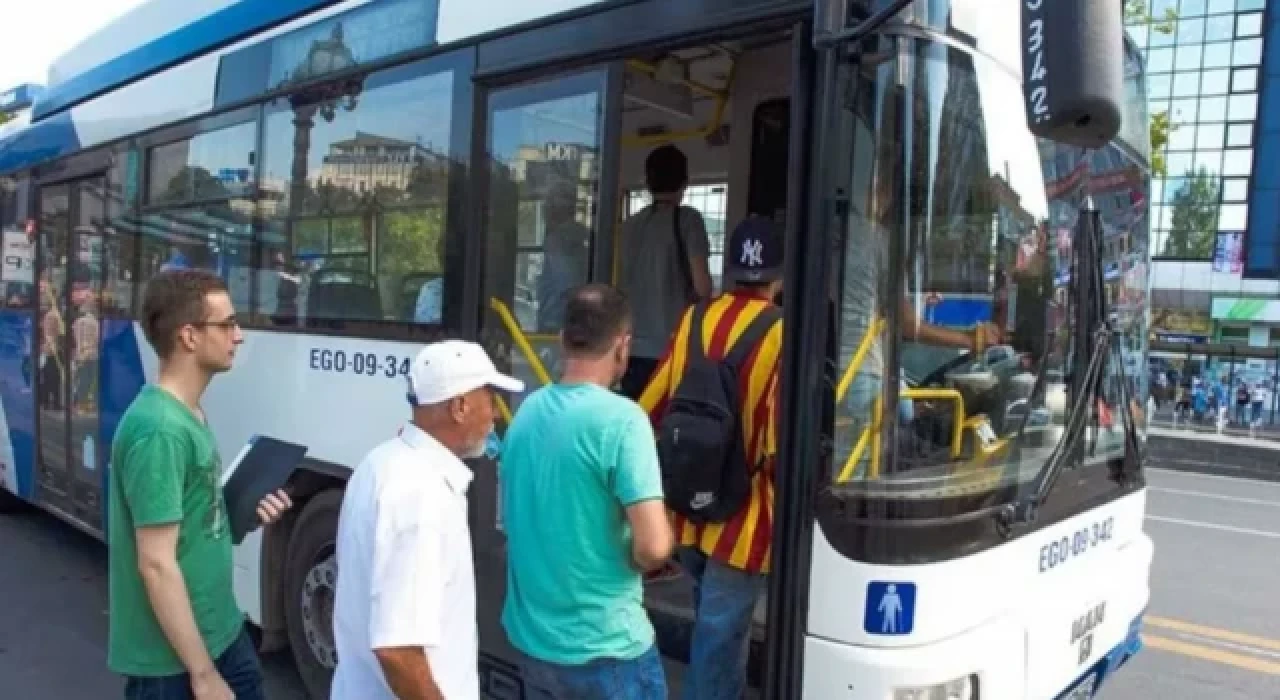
{"points": [[1073, 69]]}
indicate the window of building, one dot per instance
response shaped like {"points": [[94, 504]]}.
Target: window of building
{"points": [[1235, 189], [1250, 5], [1242, 107], [1191, 8], [1233, 217], [1139, 34], [1217, 55], [1214, 82], [1160, 60], [1220, 28], [1238, 162], [1190, 31], [355, 192], [1183, 111], [1182, 139], [1188, 84], [1208, 162], [1212, 109], [1209, 136], [1246, 52], [1244, 80], [1220, 6], [1234, 334], [1189, 57], [1158, 86], [1240, 134], [1249, 24]]}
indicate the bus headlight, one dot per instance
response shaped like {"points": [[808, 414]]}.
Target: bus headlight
{"points": [[960, 689]]}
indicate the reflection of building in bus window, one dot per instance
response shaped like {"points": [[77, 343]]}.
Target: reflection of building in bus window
{"points": [[566, 256]]}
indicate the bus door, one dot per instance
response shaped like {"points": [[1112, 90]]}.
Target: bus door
{"points": [[542, 153], [68, 332]]}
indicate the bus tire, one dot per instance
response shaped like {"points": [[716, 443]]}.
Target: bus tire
{"points": [[310, 574], [10, 503]]}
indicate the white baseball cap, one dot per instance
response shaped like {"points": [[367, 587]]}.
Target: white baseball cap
{"points": [[451, 368]]}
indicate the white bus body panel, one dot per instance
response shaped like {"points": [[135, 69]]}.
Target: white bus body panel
{"points": [[995, 613]]}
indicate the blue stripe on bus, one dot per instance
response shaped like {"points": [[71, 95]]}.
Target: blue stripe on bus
{"points": [[17, 370], [39, 142], [121, 377], [214, 31]]}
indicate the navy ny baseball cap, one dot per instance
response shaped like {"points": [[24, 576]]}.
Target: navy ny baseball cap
{"points": [[754, 253]]}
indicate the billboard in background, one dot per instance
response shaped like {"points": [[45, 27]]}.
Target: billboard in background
{"points": [[1228, 252]]}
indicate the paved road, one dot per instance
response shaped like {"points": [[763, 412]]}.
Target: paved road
{"points": [[1213, 631], [1213, 627]]}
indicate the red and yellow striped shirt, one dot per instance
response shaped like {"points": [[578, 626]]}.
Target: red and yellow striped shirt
{"points": [[744, 541]]}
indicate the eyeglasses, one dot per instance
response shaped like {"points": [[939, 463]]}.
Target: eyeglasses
{"points": [[227, 325]]}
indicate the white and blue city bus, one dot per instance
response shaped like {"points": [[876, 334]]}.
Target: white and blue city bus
{"points": [[370, 176]]}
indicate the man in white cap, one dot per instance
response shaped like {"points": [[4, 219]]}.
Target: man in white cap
{"points": [[404, 620]]}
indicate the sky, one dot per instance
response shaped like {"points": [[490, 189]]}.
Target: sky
{"points": [[38, 31]]}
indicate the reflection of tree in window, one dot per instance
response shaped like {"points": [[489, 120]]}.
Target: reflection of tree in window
{"points": [[1194, 218]]}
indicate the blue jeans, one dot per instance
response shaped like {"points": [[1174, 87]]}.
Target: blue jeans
{"points": [[724, 602], [238, 666], [641, 678]]}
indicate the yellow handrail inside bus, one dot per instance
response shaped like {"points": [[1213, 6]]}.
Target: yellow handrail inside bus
{"points": [[855, 363], [521, 341], [721, 98], [871, 433]]}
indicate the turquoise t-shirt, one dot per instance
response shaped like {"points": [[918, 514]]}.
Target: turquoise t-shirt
{"points": [[573, 459]]}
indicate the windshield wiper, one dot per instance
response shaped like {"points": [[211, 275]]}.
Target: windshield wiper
{"points": [[1098, 334]]}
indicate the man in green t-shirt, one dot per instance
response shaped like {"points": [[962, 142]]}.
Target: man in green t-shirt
{"points": [[175, 628]]}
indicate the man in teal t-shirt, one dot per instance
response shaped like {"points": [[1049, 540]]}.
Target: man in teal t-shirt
{"points": [[584, 517], [175, 630]]}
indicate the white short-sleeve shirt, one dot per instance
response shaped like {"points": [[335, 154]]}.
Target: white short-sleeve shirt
{"points": [[405, 572]]}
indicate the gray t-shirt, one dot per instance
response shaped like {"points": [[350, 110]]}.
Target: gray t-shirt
{"points": [[865, 267], [651, 274]]}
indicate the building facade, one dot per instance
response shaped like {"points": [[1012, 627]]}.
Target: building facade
{"points": [[1215, 210]]}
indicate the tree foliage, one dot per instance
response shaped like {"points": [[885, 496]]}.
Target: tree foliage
{"points": [[1135, 12], [1193, 225]]}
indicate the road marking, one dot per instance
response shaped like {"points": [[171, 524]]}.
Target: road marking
{"points": [[1213, 632], [1205, 653], [1214, 496], [1253, 483], [1215, 526]]}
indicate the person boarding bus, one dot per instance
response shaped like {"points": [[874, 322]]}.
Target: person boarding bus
{"points": [[720, 475], [404, 619]]}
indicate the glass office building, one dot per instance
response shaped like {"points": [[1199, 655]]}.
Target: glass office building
{"points": [[1216, 208]]}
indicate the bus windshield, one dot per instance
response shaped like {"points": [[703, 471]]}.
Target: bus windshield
{"points": [[956, 271]]}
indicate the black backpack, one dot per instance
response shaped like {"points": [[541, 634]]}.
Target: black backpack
{"points": [[705, 474]]}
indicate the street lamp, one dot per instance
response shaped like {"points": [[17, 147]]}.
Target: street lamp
{"points": [[325, 57]]}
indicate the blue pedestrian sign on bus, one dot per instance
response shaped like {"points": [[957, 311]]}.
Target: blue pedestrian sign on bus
{"points": [[891, 608]]}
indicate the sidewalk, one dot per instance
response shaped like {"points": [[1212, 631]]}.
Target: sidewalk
{"points": [[1203, 450]]}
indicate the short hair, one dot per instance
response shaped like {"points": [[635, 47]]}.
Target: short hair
{"points": [[666, 170], [595, 315], [173, 299]]}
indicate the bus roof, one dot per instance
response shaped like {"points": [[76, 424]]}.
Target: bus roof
{"points": [[154, 36]]}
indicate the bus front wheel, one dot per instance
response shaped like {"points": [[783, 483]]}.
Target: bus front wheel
{"points": [[310, 579]]}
